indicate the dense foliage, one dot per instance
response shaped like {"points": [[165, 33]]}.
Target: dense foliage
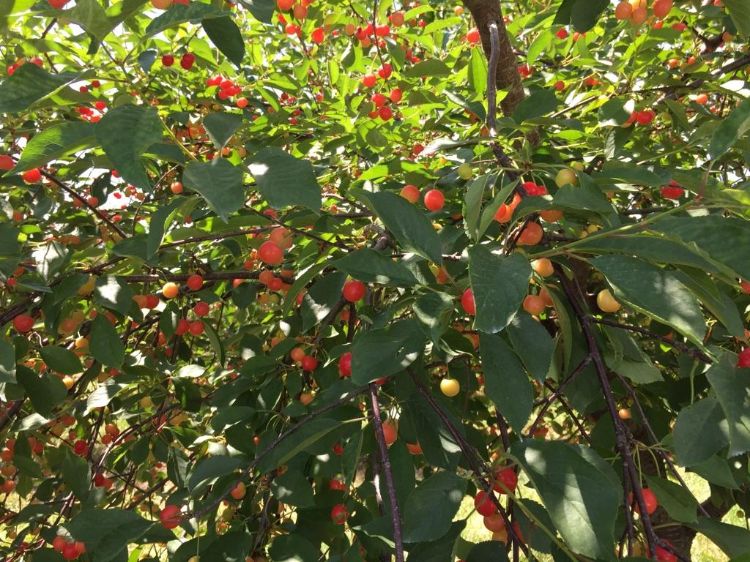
{"points": [[277, 281]]}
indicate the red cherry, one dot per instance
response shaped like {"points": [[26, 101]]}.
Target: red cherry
{"points": [[385, 113], [369, 80], [354, 290], [194, 282], [309, 363], [81, 448], [484, 504], [69, 551], [284, 5], [410, 193], [396, 95], [336, 485], [167, 60], [6, 162], [338, 449], [473, 36], [317, 36], [23, 323], [562, 33], [434, 200], [664, 555], [467, 302], [201, 308], [649, 498], [196, 328], [339, 514], [58, 543], [743, 359], [345, 365], [270, 253], [385, 71], [506, 480], [671, 191], [32, 176], [187, 61], [170, 516], [378, 99]]}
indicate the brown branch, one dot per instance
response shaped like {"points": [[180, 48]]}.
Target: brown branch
{"points": [[385, 463]]}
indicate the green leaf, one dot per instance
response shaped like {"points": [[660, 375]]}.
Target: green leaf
{"points": [[430, 508], [158, 224], [29, 84], [321, 298], [371, 266], [533, 344], [579, 489], [219, 183], [307, 433], [293, 548], [61, 360], [585, 13], [733, 540], [411, 227], [113, 294], [500, 283], [285, 181], [739, 10], [262, 10], [478, 72], [710, 234], [44, 391], [226, 36], [9, 245], [221, 126], [539, 45], [675, 499], [540, 102], [431, 67], [505, 381], [107, 532], [181, 13], [655, 292], [385, 351], [732, 127], [584, 197], [292, 488], [90, 15], [717, 302], [103, 395], [53, 142], [106, 346], [7, 362], [125, 133], [440, 550], [699, 432], [209, 469], [732, 387], [472, 208], [76, 474], [487, 551]]}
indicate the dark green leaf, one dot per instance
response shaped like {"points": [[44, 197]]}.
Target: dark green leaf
{"points": [[540, 102], [580, 490], [45, 391], [53, 142], [656, 292], [702, 418], [27, 85], [431, 67], [732, 387], [262, 10], [732, 127], [285, 181], [439, 496], [7, 362], [584, 197], [76, 474], [733, 540], [505, 381], [533, 344], [125, 133], [371, 266], [293, 548], [294, 489], [675, 499], [500, 283], [385, 351], [225, 34], [210, 469], [219, 183], [61, 360], [221, 126], [181, 13], [308, 433], [585, 13], [106, 346], [114, 294], [739, 10], [411, 227], [103, 395], [488, 551]]}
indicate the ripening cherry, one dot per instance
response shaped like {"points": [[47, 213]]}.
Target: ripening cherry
{"points": [[664, 555], [450, 387], [494, 523], [309, 363], [201, 308], [505, 480], [543, 267], [531, 235], [701, 99], [187, 61], [194, 282], [170, 290], [57, 4], [300, 12], [410, 193], [385, 113], [483, 504], [32, 176], [562, 33], [661, 8], [317, 36], [434, 200], [559, 85], [379, 100], [270, 253], [354, 290], [23, 323], [58, 543], [69, 551], [167, 60], [390, 432], [336, 485], [176, 187], [239, 491], [385, 71], [467, 302], [170, 516], [534, 305], [607, 302], [624, 10], [345, 365], [672, 191], [284, 5], [396, 95], [396, 19], [473, 37], [369, 80], [743, 359], [196, 328], [339, 514], [6, 162]]}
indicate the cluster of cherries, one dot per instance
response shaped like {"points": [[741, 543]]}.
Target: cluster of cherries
{"points": [[69, 549]]}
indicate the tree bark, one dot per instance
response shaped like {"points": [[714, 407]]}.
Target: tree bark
{"points": [[485, 12]]}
